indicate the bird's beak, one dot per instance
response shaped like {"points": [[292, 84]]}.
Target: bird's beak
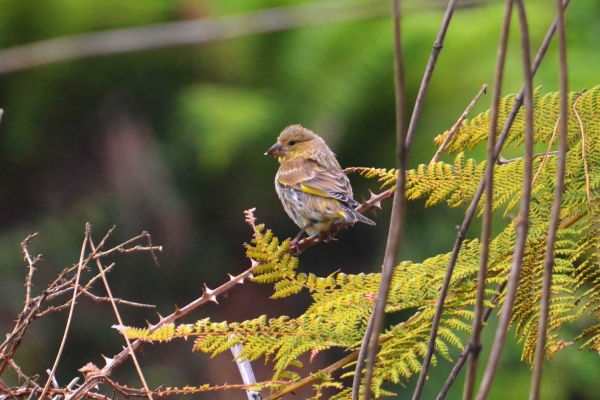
{"points": [[276, 151]]}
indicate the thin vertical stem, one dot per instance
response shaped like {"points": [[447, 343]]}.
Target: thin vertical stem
{"points": [[437, 47], [404, 147], [555, 218], [462, 231], [522, 223], [71, 309], [120, 321], [398, 207], [360, 362], [486, 231], [463, 357]]}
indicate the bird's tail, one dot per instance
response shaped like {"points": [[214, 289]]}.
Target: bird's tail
{"points": [[353, 217]]}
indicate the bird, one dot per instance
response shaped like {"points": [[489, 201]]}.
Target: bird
{"points": [[314, 190]]}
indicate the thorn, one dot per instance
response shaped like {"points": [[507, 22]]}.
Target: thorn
{"points": [[160, 317], [376, 203], [250, 275], [208, 294], [254, 263], [149, 324], [107, 360]]}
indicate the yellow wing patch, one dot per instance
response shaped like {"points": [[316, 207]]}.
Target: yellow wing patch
{"points": [[313, 191]]}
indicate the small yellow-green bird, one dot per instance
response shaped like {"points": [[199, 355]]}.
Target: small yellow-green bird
{"points": [[313, 188]]}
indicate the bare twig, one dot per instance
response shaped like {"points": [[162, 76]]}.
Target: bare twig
{"points": [[152, 248], [115, 300], [25, 391], [32, 262], [486, 230], [403, 145], [522, 224], [457, 125], [462, 231], [68, 324], [118, 315], [556, 205]]}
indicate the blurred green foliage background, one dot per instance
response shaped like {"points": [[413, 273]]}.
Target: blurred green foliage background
{"points": [[171, 141]]}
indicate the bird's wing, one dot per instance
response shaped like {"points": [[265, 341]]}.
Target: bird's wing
{"points": [[311, 177]]}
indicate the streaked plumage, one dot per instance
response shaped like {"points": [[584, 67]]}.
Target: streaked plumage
{"points": [[313, 188]]}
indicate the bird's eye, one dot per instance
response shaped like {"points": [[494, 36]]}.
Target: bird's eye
{"points": [[292, 142]]}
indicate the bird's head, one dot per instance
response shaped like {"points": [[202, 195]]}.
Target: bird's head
{"points": [[294, 141]]}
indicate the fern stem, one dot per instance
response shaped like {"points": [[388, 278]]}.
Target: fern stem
{"points": [[540, 347], [486, 230], [522, 224]]}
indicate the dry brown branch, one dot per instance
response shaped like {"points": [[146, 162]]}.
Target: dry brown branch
{"points": [[32, 263], [71, 309], [118, 315], [32, 392], [133, 392], [116, 300], [455, 127], [208, 295], [60, 286]]}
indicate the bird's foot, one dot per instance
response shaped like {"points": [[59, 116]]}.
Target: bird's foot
{"points": [[329, 237]]}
